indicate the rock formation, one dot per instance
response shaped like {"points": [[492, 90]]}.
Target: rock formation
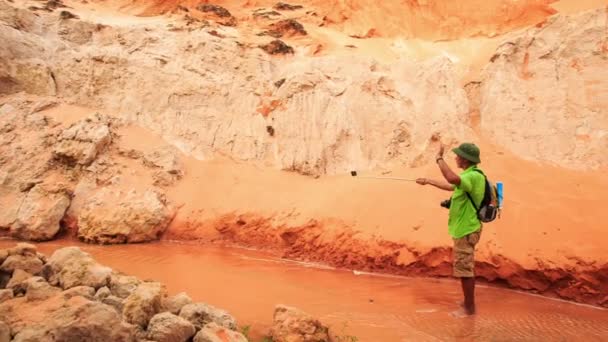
{"points": [[543, 94], [293, 325], [320, 116], [57, 175], [61, 304], [115, 217]]}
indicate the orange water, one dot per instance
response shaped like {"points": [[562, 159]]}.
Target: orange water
{"points": [[373, 308]]}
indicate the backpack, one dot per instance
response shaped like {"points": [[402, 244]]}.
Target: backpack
{"points": [[489, 208]]}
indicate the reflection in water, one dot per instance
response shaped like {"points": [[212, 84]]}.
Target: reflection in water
{"points": [[374, 308]]}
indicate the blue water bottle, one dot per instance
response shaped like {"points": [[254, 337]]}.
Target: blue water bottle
{"points": [[499, 193]]}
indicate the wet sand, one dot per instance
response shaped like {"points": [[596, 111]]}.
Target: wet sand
{"points": [[373, 308]]}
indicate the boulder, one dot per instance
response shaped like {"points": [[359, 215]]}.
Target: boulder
{"points": [[167, 327], [123, 285], [116, 302], [293, 325], [17, 281], [39, 216], [69, 267], [79, 320], [28, 263], [37, 289], [81, 142], [111, 216], [144, 303], [10, 198], [175, 303], [200, 314], [103, 293], [24, 249], [83, 291], [32, 75], [215, 333]]}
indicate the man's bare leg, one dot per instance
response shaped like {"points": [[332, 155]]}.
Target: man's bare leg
{"points": [[468, 289]]}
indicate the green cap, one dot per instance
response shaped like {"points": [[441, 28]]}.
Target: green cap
{"points": [[469, 152]]}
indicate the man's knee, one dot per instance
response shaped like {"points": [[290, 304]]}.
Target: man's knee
{"points": [[464, 264]]}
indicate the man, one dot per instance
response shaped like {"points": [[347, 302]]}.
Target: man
{"points": [[463, 223]]}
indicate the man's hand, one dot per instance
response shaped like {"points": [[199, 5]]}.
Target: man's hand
{"points": [[447, 173], [440, 153], [435, 183]]}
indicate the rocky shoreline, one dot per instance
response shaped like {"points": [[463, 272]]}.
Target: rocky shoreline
{"points": [[70, 297]]}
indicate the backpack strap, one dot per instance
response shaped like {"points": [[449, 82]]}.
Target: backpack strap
{"points": [[469, 196], [472, 202], [479, 171]]}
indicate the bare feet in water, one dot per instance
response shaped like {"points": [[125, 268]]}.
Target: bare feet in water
{"points": [[462, 312]]}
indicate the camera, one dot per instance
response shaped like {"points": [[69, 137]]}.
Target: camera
{"points": [[446, 204]]}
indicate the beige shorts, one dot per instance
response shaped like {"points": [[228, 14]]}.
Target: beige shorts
{"points": [[464, 255]]}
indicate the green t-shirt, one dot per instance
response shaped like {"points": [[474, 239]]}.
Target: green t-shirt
{"points": [[463, 216]]}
